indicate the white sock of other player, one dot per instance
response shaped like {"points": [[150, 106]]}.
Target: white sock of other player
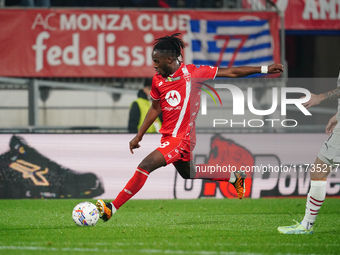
{"points": [[315, 198]]}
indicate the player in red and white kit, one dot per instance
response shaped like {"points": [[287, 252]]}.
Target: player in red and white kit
{"points": [[178, 96], [176, 93]]}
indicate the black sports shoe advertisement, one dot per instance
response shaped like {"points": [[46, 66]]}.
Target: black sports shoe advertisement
{"points": [[27, 173], [81, 165]]}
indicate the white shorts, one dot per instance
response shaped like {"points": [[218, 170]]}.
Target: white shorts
{"points": [[330, 151]]}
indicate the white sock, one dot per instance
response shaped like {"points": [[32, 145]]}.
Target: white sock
{"points": [[232, 178], [315, 198]]}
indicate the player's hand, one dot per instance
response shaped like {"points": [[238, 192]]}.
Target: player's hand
{"points": [[275, 68], [331, 125], [134, 143], [314, 100]]}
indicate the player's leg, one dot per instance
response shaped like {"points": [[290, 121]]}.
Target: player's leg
{"points": [[319, 172], [189, 171], [317, 192], [153, 161], [184, 168], [315, 197]]}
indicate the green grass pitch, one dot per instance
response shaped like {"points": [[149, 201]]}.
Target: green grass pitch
{"points": [[202, 226]]}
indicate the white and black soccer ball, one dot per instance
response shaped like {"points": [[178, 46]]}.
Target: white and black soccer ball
{"points": [[85, 214]]}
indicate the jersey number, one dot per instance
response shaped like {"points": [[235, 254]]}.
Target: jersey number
{"points": [[163, 145]]}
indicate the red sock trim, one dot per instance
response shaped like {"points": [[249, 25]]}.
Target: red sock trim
{"points": [[314, 203], [319, 201], [142, 171]]}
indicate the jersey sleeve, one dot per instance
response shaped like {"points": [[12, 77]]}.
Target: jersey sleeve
{"points": [[155, 95], [204, 72]]}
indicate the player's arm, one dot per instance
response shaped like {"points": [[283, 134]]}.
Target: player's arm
{"points": [[150, 117], [234, 72], [317, 99], [331, 124]]}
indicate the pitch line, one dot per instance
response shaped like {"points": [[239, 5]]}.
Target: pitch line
{"points": [[141, 251]]}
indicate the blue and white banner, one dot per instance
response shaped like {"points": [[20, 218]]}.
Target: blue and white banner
{"points": [[228, 43]]}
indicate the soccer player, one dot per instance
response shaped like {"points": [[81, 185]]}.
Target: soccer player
{"points": [[175, 92], [321, 168]]}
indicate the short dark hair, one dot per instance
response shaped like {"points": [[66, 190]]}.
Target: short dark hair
{"points": [[171, 45]]}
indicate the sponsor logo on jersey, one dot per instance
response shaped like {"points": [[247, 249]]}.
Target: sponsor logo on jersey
{"points": [[173, 98], [170, 79], [172, 108]]}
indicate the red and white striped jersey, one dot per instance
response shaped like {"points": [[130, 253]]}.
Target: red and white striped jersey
{"points": [[179, 96]]}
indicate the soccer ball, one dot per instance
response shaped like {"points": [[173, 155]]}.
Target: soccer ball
{"points": [[85, 214]]}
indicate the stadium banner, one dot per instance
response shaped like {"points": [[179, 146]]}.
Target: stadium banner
{"points": [[99, 165], [304, 14], [119, 43]]}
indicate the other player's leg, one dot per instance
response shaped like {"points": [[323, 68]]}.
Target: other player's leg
{"points": [[315, 198], [153, 161]]}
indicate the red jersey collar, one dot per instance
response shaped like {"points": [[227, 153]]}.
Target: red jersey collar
{"points": [[176, 73]]}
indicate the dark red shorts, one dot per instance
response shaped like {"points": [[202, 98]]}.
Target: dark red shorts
{"points": [[174, 149]]}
